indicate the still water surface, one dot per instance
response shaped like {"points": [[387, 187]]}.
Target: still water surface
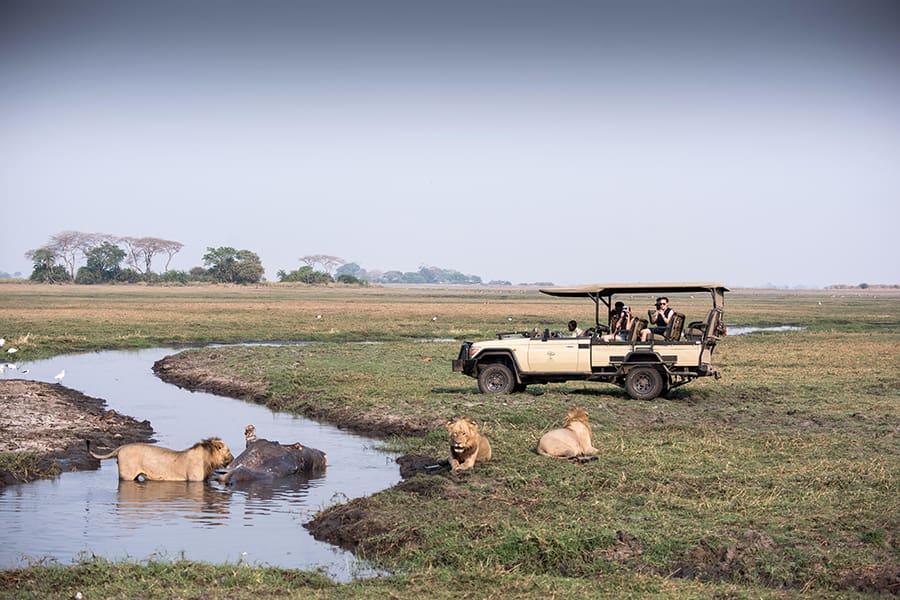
{"points": [[91, 513]]}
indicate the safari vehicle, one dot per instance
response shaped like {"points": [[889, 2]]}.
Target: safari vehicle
{"points": [[645, 369]]}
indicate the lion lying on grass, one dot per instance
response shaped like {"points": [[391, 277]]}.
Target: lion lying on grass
{"points": [[467, 445], [572, 441], [147, 462]]}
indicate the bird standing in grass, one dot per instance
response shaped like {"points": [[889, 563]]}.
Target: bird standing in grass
{"points": [[59, 376]]}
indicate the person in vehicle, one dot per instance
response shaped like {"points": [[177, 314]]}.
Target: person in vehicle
{"points": [[659, 320], [622, 328], [614, 314], [574, 330]]}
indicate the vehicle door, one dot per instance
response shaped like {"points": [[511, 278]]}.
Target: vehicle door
{"points": [[559, 355]]}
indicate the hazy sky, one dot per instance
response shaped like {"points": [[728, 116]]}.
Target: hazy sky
{"points": [[745, 142]]}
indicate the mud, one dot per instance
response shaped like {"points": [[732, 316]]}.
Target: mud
{"points": [[51, 423]]}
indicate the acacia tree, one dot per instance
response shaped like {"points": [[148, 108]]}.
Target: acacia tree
{"points": [[68, 245], [171, 248], [140, 252], [227, 265], [327, 262]]}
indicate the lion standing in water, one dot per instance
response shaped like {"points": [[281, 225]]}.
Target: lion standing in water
{"points": [[572, 440], [467, 445], [147, 462]]}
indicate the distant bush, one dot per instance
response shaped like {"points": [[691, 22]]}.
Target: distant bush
{"points": [[351, 280], [305, 274], [132, 276], [173, 277]]}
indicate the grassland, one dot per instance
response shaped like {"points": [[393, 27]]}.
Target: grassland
{"points": [[780, 479]]}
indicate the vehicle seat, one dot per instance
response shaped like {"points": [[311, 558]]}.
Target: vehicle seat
{"points": [[697, 329], [639, 324], [673, 329], [676, 324]]}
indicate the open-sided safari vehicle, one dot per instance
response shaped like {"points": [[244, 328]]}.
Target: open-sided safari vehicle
{"points": [[682, 352]]}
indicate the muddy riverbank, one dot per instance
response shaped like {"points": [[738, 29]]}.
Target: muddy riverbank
{"points": [[49, 424], [199, 372]]}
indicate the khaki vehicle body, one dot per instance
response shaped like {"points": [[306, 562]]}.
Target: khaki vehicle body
{"points": [[645, 369]]}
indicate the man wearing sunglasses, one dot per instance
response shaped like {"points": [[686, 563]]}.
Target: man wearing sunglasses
{"points": [[660, 320]]}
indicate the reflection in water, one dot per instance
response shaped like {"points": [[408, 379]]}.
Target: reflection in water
{"points": [[92, 513], [139, 502]]}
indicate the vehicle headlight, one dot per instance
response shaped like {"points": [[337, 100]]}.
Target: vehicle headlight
{"points": [[473, 351]]}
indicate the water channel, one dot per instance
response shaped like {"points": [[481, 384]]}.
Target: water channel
{"points": [[90, 513]]}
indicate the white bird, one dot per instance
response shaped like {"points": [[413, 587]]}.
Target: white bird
{"points": [[12, 366], [2, 341], [318, 316], [12, 350], [434, 318], [25, 371], [59, 376]]}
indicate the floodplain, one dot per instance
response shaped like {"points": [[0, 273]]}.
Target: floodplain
{"points": [[779, 479]]}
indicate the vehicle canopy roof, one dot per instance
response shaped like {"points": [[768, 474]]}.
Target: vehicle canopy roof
{"points": [[609, 289], [605, 291]]}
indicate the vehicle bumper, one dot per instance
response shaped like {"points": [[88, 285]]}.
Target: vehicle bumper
{"points": [[467, 367], [462, 363]]}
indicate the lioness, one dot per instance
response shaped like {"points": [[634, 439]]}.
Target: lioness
{"points": [[572, 440], [467, 445], [147, 462]]}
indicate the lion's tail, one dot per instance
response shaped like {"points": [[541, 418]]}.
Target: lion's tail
{"points": [[112, 454]]}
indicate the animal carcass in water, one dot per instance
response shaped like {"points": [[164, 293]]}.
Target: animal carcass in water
{"points": [[264, 459]]}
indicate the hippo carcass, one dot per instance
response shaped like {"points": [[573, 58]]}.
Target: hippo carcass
{"points": [[264, 459]]}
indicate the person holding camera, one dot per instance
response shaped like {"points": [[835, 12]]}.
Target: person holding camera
{"points": [[622, 328], [614, 314], [660, 320]]}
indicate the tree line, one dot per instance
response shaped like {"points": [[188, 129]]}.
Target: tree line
{"points": [[57, 260], [92, 258]]}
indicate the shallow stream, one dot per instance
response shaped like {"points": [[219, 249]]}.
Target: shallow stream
{"points": [[87, 513]]}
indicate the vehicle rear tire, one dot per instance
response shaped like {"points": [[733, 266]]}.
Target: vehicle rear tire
{"points": [[496, 378], [644, 383]]}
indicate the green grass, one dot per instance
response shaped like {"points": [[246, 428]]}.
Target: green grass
{"points": [[28, 465], [780, 478]]}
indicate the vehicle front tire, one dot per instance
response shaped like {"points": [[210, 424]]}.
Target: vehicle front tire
{"points": [[644, 383], [496, 378]]}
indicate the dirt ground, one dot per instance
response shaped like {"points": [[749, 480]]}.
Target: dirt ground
{"points": [[52, 422]]}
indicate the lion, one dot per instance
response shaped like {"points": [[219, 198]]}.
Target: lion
{"points": [[573, 440], [467, 445], [143, 462]]}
